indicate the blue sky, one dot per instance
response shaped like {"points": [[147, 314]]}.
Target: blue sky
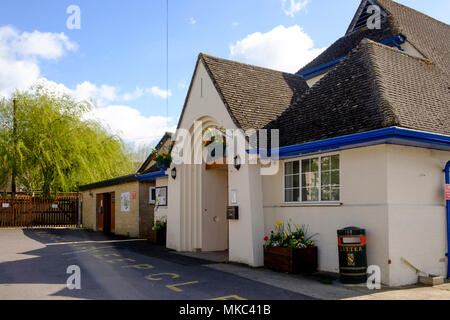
{"points": [[118, 57]]}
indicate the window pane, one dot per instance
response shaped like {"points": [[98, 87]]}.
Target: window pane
{"points": [[335, 193], [288, 167], [296, 182], [310, 194], [326, 193], [296, 167], [325, 178], [296, 195], [335, 162], [315, 164], [326, 163], [288, 181], [310, 179], [306, 167], [335, 177], [288, 195]]}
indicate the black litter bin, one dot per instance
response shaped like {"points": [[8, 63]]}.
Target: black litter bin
{"points": [[352, 255]]}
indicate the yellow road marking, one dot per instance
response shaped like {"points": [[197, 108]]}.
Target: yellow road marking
{"points": [[120, 260], [174, 287], [151, 276], [139, 266], [231, 297]]}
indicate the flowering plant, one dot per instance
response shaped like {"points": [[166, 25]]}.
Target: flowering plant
{"points": [[213, 135], [160, 223], [286, 236], [163, 156]]}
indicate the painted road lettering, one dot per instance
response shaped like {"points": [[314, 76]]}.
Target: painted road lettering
{"points": [[175, 288], [140, 266], [152, 276]]}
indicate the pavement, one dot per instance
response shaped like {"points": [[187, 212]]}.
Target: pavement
{"points": [[34, 263]]}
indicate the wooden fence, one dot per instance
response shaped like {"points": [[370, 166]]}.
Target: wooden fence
{"points": [[26, 210]]}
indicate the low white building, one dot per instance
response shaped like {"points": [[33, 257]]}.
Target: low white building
{"points": [[364, 137]]}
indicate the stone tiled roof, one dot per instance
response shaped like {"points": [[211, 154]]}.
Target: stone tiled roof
{"points": [[254, 96], [374, 87], [110, 182], [429, 36]]}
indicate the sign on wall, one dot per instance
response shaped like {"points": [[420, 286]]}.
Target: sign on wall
{"points": [[447, 192], [161, 196], [125, 202]]}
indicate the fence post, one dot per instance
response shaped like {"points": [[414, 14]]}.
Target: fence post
{"points": [[79, 210]]}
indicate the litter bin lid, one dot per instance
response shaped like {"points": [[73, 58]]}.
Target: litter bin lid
{"points": [[351, 231]]}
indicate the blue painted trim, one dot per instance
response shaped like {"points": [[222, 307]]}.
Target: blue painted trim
{"points": [[392, 135], [152, 176], [320, 69], [311, 73], [447, 181], [395, 41]]}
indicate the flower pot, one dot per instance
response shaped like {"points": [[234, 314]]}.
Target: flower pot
{"points": [[291, 260], [163, 163], [158, 237]]}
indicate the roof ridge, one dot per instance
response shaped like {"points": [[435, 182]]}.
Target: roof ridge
{"points": [[204, 55], [380, 92]]}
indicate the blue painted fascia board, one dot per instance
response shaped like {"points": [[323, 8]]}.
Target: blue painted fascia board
{"points": [[392, 135], [152, 176], [321, 69]]}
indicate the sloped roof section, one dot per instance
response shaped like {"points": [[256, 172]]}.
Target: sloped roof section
{"points": [[344, 45], [416, 90], [374, 87], [254, 96], [428, 35]]}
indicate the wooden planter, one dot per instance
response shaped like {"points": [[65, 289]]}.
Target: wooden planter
{"points": [[158, 237], [291, 260]]}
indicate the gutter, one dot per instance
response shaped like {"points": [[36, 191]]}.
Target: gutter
{"points": [[152, 176], [391, 135], [447, 181]]}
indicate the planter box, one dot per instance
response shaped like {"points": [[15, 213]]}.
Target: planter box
{"points": [[291, 260], [158, 237]]}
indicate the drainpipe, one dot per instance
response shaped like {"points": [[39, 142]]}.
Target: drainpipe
{"points": [[447, 181]]}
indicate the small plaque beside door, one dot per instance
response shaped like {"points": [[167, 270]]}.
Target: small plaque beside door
{"points": [[233, 213]]}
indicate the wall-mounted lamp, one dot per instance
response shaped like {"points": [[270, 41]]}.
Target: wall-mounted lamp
{"points": [[173, 173], [237, 162]]}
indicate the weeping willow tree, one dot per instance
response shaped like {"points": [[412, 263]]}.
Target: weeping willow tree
{"points": [[47, 141]]}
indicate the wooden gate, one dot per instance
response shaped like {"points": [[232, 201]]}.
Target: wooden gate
{"points": [[33, 211]]}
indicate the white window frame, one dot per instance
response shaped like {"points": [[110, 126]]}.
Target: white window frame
{"points": [[320, 156], [150, 200]]}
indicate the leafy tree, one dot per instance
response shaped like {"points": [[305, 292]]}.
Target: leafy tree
{"points": [[53, 146]]}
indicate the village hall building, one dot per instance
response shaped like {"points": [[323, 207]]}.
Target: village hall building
{"points": [[364, 133], [128, 205]]}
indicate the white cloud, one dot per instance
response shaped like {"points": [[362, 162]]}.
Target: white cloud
{"points": [[131, 125], [192, 21], [284, 49], [22, 52], [164, 94], [293, 7]]}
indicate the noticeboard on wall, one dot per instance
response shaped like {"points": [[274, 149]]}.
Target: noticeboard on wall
{"points": [[161, 196], [125, 202]]}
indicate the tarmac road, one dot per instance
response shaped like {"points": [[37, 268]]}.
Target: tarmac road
{"points": [[34, 263]]}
